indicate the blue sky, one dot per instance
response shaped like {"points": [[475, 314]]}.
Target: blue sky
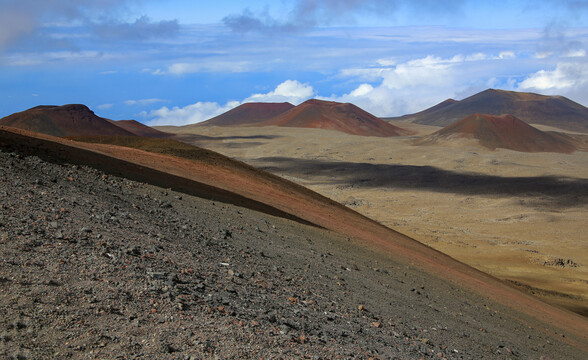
{"points": [[179, 61]]}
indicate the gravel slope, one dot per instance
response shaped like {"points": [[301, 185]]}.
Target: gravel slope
{"points": [[97, 266]]}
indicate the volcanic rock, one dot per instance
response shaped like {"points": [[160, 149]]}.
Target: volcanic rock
{"points": [[154, 286]]}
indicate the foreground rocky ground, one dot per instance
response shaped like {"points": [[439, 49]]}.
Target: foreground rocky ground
{"points": [[97, 266]]}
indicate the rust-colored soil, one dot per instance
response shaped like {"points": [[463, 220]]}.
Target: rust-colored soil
{"points": [[66, 120], [505, 131], [247, 114], [313, 113], [556, 111], [135, 127], [243, 182], [330, 115]]}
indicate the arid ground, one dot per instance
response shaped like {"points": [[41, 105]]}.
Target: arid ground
{"points": [[518, 216], [184, 258]]}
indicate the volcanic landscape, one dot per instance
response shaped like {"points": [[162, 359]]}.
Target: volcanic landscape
{"points": [[321, 231]]}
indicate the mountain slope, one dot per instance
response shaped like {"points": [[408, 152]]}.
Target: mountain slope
{"points": [[247, 114], [97, 265], [75, 120], [556, 111], [330, 115], [138, 129], [504, 131], [66, 120], [234, 181]]}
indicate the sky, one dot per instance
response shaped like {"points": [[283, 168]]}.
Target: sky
{"points": [[178, 62]]}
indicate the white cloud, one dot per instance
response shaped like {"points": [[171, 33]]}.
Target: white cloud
{"points": [[185, 68], [143, 102], [476, 57], [104, 106], [565, 76], [290, 90], [58, 57], [507, 55], [543, 54], [362, 90], [190, 114], [576, 53], [28, 19], [404, 87], [391, 88]]}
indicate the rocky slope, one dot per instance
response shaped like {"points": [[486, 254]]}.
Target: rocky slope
{"points": [[99, 266]]}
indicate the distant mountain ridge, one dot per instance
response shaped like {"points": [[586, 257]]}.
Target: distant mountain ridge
{"points": [[330, 115], [138, 128], [555, 111], [248, 113], [504, 131], [75, 120]]}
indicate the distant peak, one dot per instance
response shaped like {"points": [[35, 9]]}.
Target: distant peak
{"points": [[68, 107], [320, 102], [285, 103], [43, 107], [449, 101], [75, 107]]}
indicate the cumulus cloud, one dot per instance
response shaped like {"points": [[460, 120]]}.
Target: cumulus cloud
{"points": [[391, 88], [190, 114], [289, 91], [565, 77]]}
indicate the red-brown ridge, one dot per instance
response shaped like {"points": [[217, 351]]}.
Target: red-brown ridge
{"points": [[556, 111], [507, 132], [75, 120], [248, 114], [139, 129], [337, 116], [312, 113]]}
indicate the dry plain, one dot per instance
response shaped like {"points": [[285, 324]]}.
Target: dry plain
{"points": [[518, 216]]}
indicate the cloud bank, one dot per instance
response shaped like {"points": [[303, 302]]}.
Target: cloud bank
{"points": [[104, 19], [388, 88], [307, 14]]}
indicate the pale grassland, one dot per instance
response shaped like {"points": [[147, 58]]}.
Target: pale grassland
{"points": [[516, 235]]}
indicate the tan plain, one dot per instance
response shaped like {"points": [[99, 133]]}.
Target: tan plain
{"points": [[500, 235]]}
